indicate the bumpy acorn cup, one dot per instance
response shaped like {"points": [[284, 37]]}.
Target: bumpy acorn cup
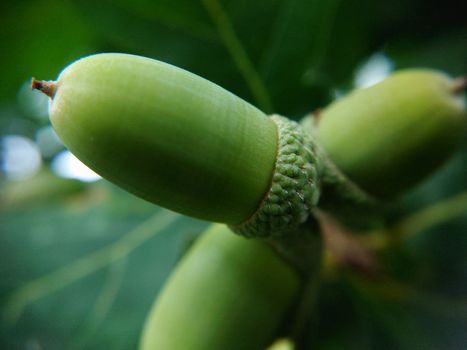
{"points": [[389, 137], [226, 293], [184, 143]]}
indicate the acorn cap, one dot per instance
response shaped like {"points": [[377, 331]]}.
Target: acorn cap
{"points": [[295, 185]]}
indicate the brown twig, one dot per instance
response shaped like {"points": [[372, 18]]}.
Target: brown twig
{"points": [[47, 87], [346, 248], [459, 84]]}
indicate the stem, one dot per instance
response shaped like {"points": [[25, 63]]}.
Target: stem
{"points": [[459, 84], [419, 221], [102, 306], [322, 39], [47, 87], [303, 250], [346, 248], [306, 307], [431, 216], [239, 55]]}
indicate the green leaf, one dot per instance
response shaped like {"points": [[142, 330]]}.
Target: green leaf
{"points": [[83, 269], [299, 53], [289, 62], [38, 38], [412, 318]]}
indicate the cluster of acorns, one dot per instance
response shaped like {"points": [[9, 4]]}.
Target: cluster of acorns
{"points": [[185, 143]]}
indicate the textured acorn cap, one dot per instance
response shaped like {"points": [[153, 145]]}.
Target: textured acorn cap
{"points": [[165, 134], [295, 185]]}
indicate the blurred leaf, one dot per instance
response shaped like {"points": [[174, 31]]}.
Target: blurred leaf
{"points": [[38, 38], [44, 187], [81, 264], [445, 51], [447, 181], [383, 314], [414, 319], [83, 271], [290, 52]]}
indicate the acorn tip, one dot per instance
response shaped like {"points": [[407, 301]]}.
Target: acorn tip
{"points": [[47, 87], [459, 84]]}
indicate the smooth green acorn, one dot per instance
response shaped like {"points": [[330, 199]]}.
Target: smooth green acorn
{"points": [[185, 143], [226, 293], [388, 137], [165, 134]]}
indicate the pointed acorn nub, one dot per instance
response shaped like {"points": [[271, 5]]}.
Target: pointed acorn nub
{"points": [[47, 87], [459, 84]]}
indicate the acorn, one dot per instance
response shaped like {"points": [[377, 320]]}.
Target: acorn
{"points": [[185, 143], [226, 293], [389, 137]]}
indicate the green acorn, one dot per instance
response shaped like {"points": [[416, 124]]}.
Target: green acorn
{"points": [[184, 143], [226, 293], [165, 134], [388, 137]]}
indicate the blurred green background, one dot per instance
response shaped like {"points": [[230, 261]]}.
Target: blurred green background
{"points": [[81, 261]]}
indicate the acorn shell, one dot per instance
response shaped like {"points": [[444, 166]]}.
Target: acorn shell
{"points": [[166, 135], [228, 292], [390, 136]]}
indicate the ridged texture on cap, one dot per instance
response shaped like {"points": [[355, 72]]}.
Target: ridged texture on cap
{"points": [[294, 187]]}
